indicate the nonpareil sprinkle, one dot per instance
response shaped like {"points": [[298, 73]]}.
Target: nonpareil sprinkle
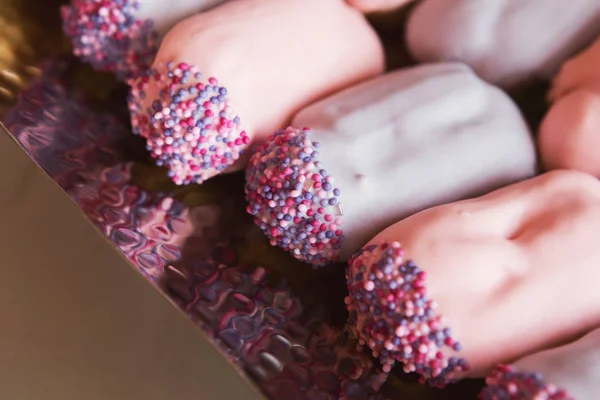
{"points": [[107, 35], [293, 199], [189, 127], [506, 383], [390, 312]]}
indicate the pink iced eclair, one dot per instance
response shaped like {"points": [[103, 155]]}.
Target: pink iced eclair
{"points": [[570, 133], [569, 372], [227, 78], [370, 6], [579, 72], [507, 42], [122, 36], [380, 151], [457, 289]]}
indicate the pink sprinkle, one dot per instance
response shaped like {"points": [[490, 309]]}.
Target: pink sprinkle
{"points": [[185, 160]]}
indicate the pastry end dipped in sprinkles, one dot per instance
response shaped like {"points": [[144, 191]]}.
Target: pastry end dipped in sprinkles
{"points": [[293, 199], [445, 217], [107, 35], [506, 383], [391, 314], [190, 127]]}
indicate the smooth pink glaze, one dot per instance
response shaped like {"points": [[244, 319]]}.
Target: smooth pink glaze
{"points": [[369, 6], [570, 133], [274, 57], [579, 72], [513, 271]]}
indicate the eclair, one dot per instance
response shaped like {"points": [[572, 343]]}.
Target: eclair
{"points": [[457, 289], [226, 79], [380, 151]]}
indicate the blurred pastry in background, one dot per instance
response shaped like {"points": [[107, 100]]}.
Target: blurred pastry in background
{"points": [[570, 133], [578, 72], [509, 43]]}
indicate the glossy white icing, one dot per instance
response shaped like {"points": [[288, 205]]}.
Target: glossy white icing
{"points": [[413, 139]]}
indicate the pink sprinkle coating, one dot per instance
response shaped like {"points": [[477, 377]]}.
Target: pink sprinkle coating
{"points": [[190, 127], [106, 34], [294, 199], [391, 314], [506, 383]]}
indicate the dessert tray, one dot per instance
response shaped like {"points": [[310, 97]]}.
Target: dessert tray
{"points": [[280, 324]]}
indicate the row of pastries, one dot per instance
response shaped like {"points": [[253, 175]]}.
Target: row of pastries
{"points": [[469, 231]]}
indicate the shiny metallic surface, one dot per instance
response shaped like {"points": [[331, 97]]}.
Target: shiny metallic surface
{"points": [[77, 321]]}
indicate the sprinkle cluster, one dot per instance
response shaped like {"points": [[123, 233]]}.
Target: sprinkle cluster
{"points": [[293, 198], [189, 125], [505, 383], [106, 34], [391, 314]]}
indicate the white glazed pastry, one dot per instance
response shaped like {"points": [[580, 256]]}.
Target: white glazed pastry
{"points": [[381, 151], [122, 36], [570, 133], [507, 42], [226, 79], [569, 372], [457, 289]]}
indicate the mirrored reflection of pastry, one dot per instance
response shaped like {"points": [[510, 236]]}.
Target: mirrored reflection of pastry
{"points": [[122, 36], [454, 290], [507, 42], [570, 133], [378, 152], [226, 79], [569, 372]]}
